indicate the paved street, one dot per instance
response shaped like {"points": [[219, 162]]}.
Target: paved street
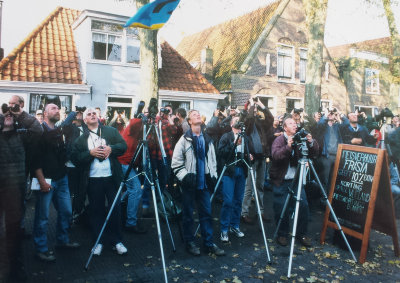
{"points": [[246, 259]]}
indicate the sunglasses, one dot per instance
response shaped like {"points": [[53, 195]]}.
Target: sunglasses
{"points": [[91, 113]]}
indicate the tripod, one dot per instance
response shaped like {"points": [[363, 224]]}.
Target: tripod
{"points": [[241, 159], [301, 173], [148, 174]]}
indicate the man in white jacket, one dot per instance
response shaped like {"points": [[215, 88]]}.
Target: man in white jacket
{"points": [[195, 166]]}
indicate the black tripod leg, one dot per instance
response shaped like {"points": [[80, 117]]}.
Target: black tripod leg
{"points": [[165, 213], [331, 210]]}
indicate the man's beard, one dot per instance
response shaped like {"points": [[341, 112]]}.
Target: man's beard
{"points": [[54, 119]]}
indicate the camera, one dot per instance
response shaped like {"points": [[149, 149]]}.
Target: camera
{"points": [[5, 108], [139, 109], [255, 99], [221, 108], [332, 110], [300, 136], [164, 111], [153, 108], [80, 109], [298, 110]]}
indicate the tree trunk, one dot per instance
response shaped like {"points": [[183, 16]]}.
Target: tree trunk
{"points": [[148, 62], [394, 35], [316, 11]]}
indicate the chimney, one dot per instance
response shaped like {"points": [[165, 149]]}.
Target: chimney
{"points": [[206, 63], [1, 18]]}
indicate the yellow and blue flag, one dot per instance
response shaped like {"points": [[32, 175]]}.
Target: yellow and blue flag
{"points": [[153, 15]]}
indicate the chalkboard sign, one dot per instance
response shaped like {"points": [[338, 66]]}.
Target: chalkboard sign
{"points": [[353, 186], [361, 195]]}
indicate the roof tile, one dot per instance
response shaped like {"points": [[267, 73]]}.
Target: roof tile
{"points": [[45, 45], [178, 75]]}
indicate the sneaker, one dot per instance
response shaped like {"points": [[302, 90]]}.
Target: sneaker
{"points": [[224, 237], [282, 241], [192, 249], [98, 249], [120, 248], [135, 229], [46, 256], [68, 246], [246, 219], [305, 241], [237, 232], [215, 250]]}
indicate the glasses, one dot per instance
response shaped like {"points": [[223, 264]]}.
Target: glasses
{"points": [[91, 114]]}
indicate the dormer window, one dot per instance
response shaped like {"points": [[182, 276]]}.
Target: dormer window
{"points": [[112, 43]]}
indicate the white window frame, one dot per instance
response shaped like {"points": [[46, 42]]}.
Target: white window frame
{"points": [[273, 107], [299, 105], [124, 35], [120, 104], [326, 101], [303, 59], [368, 107], [267, 64], [369, 89], [279, 54], [167, 100]]}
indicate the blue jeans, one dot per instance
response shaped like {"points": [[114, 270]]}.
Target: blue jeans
{"points": [[200, 198], [60, 196], [232, 192], [394, 179], [134, 192], [280, 194]]}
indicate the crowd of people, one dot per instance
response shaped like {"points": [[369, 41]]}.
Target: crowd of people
{"points": [[79, 163]]}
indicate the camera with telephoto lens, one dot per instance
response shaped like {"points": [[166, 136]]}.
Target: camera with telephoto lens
{"points": [[139, 110], [240, 123], [80, 109], [298, 110], [153, 108]]}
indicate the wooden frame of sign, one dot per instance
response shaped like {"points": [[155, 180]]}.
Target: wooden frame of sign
{"points": [[361, 195]]}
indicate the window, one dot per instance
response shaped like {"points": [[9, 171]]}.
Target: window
{"points": [[111, 43], [371, 81], [303, 65], [369, 110], [267, 101], [176, 104], [267, 63], [119, 104], [38, 101], [325, 104], [285, 62], [292, 103], [106, 47]]}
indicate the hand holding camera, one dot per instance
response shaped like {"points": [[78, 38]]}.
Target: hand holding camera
{"points": [[101, 152]]}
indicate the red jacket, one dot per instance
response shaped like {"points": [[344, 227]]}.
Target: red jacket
{"points": [[132, 134]]}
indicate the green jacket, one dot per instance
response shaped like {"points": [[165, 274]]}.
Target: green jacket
{"points": [[81, 157]]}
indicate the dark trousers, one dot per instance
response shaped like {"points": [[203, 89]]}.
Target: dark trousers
{"points": [[200, 199], [325, 165], [78, 194], [280, 195], [11, 208], [100, 189]]}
